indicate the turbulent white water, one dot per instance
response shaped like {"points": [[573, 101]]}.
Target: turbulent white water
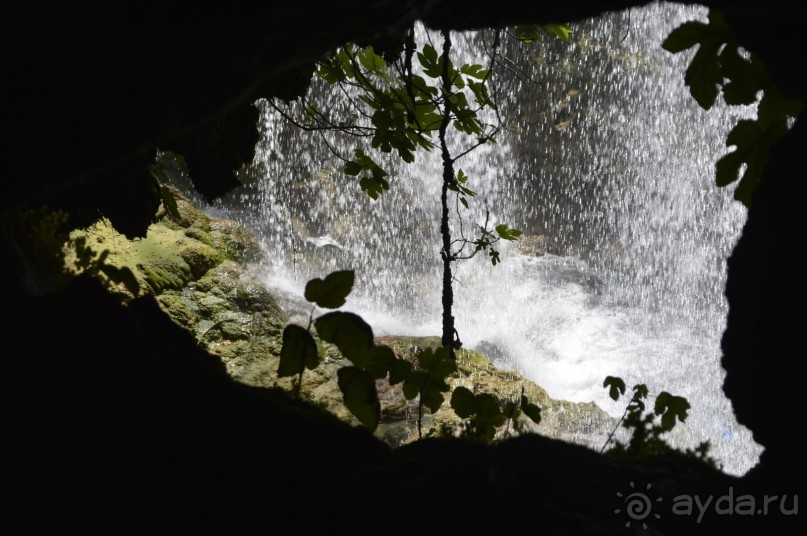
{"points": [[610, 159]]}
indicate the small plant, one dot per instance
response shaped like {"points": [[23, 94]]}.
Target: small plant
{"points": [[647, 428], [484, 414], [370, 362], [417, 101]]}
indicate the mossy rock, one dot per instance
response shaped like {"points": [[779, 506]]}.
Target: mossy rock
{"points": [[161, 276], [235, 241], [197, 269], [177, 307], [165, 259], [188, 215], [201, 236], [583, 423], [580, 423], [200, 258]]}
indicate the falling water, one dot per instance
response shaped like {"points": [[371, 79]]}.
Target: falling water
{"points": [[606, 164]]}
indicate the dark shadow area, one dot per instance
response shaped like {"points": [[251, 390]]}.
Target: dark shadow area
{"points": [[114, 421]]}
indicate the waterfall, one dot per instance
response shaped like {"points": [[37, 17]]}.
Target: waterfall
{"points": [[607, 165]]}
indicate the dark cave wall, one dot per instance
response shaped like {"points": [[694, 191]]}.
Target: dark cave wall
{"points": [[762, 346], [89, 94]]}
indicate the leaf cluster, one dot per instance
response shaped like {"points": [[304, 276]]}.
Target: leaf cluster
{"points": [[425, 380], [483, 413], [399, 109], [720, 66], [369, 362], [648, 427]]}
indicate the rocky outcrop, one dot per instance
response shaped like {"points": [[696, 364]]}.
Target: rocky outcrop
{"points": [[581, 423], [174, 252], [203, 274]]}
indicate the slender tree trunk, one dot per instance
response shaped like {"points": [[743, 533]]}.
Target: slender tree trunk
{"points": [[448, 180]]}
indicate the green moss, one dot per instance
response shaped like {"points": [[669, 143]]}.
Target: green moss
{"points": [[165, 259], [201, 236], [200, 258], [175, 305], [162, 276], [234, 240], [233, 330]]}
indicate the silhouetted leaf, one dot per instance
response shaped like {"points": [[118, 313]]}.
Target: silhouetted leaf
{"points": [[299, 351], [703, 75], [413, 384], [344, 57], [437, 362], [531, 410], [382, 359], [746, 78], [352, 168], [330, 292], [480, 91], [487, 406], [640, 391], [636, 406], [373, 187], [331, 71], [753, 144], [350, 333], [312, 109], [432, 398], [510, 410], [685, 36], [774, 109], [671, 407], [399, 370], [617, 386], [463, 402], [381, 119], [360, 396]]}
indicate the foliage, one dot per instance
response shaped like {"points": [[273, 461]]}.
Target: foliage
{"points": [[649, 426], [403, 108], [371, 362], [720, 66], [400, 111], [483, 413]]}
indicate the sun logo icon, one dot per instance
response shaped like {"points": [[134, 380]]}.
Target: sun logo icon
{"points": [[637, 505]]}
